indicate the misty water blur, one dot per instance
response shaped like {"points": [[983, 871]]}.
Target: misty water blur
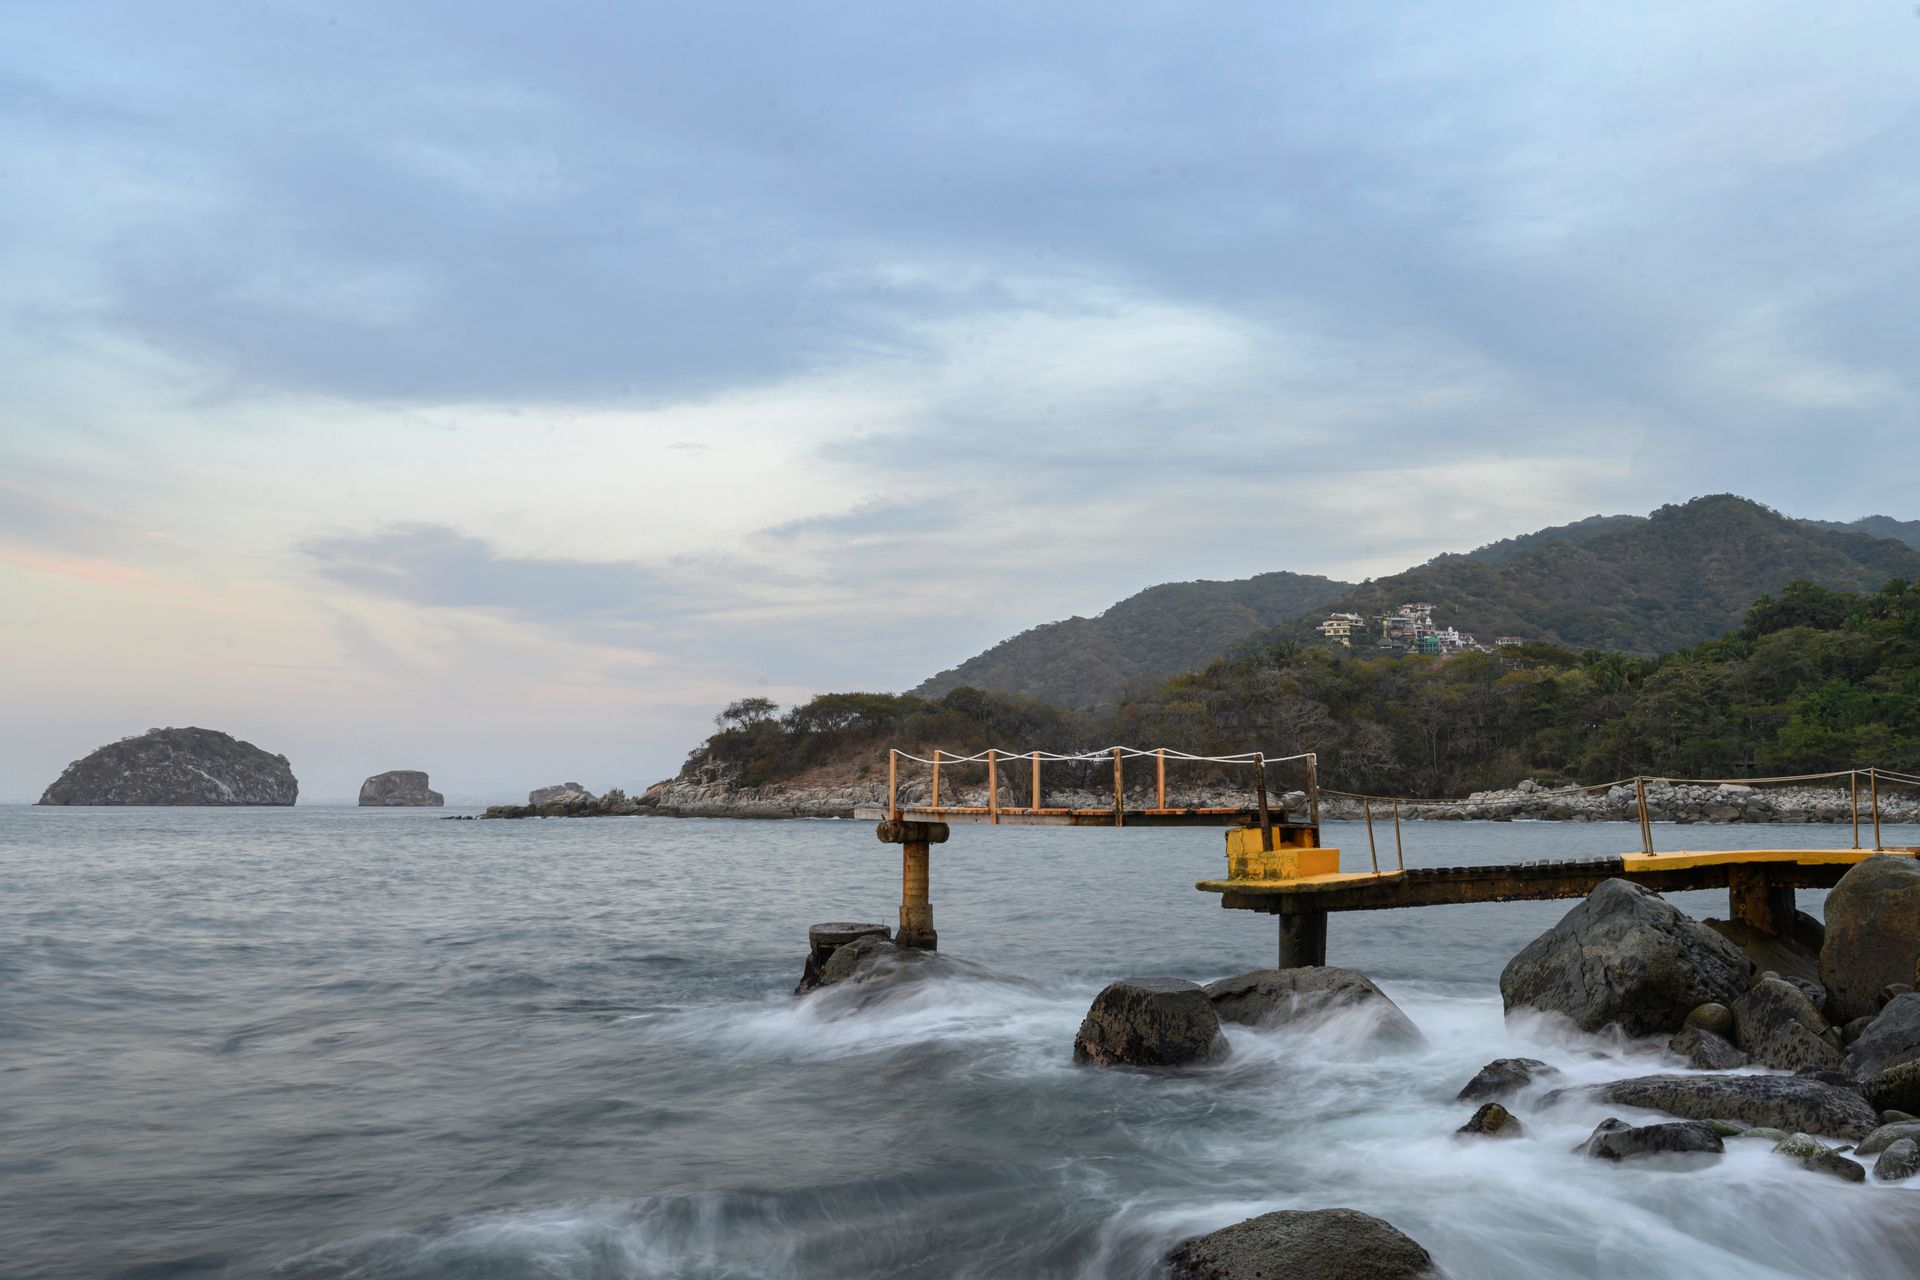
{"points": [[329, 1043]]}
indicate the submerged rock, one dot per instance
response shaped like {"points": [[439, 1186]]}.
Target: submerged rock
{"points": [[1503, 1077], [176, 767], [1888, 1134], [1617, 1140], [825, 939], [1304, 1244], [1791, 1103], [1779, 1027], [1900, 1161], [1275, 997], [1627, 957], [399, 788], [1889, 1040], [1150, 1022], [1873, 935], [1494, 1121], [1704, 1051]]}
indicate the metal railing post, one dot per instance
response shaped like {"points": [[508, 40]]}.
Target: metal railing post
{"points": [[993, 785], [1873, 781], [1646, 827], [1853, 776], [1313, 790], [893, 785], [1366, 807], [935, 803], [1160, 777], [1260, 793], [1034, 799], [1399, 850]]}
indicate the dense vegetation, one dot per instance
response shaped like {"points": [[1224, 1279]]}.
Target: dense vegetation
{"points": [[1636, 584], [1811, 679], [1164, 630]]}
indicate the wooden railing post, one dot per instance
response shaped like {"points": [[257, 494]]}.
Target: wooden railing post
{"points": [[1260, 794], [893, 785], [1034, 798], [1160, 777], [993, 785], [1873, 781], [1853, 776], [935, 803], [1366, 807], [1119, 792]]}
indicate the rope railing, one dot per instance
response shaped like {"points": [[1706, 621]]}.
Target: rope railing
{"points": [[1119, 755]]}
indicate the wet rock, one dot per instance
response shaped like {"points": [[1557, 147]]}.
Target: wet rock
{"points": [[1625, 956], [1835, 1165], [1799, 1146], [1896, 1088], [1617, 1140], [1900, 1161], [1504, 1077], [1728, 1128], [824, 939], [1889, 1040], [1150, 1022], [1891, 1116], [399, 789], [1303, 1244], [1778, 1102], [1275, 997], [1713, 1018], [1704, 1051], [1494, 1121], [1795, 956], [1779, 1027], [1853, 1031], [559, 791], [1888, 1134], [1873, 934], [176, 767], [1771, 1135]]}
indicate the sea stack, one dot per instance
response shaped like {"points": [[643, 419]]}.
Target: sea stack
{"points": [[176, 767], [399, 789]]}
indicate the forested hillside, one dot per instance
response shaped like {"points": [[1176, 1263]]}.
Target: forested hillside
{"points": [[1083, 662], [1810, 679]]}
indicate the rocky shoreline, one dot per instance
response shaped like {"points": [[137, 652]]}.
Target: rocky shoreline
{"points": [[712, 792]]}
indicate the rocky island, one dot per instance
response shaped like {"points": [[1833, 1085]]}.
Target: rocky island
{"points": [[170, 766], [399, 789]]}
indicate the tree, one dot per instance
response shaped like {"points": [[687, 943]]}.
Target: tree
{"points": [[744, 713]]}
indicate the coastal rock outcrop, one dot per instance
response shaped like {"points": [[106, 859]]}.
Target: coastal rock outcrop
{"points": [[1503, 1077], [1873, 935], [570, 801], [1627, 957], [558, 791], [1618, 1140], [188, 766], [1778, 1026], [1276, 997], [1790, 1103], [1149, 1022], [823, 940], [399, 789], [1889, 1040], [1304, 1244], [1704, 1051]]}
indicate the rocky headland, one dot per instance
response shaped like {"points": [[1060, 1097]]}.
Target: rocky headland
{"points": [[188, 766], [399, 789]]}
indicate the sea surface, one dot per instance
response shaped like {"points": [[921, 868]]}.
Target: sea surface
{"points": [[322, 1043]]}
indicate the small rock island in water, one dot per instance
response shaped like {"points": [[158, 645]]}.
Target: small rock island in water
{"points": [[399, 788], [176, 767]]}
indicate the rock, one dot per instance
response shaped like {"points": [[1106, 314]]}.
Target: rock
{"points": [[176, 767], [1771, 1135], [1503, 1077], [1853, 1031], [1799, 1146], [1714, 1018], [1494, 1121], [1888, 1134], [1836, 1165], [1795, 956], [399, 788], [1896, 1088], [1275, 997], [824, 939], [1625, 956], [1704, 1051], [1779, 1027], [1617, 1140], [1900, 1161], [1873, 934], [1889, 1040], [1777, 1102], [1728, 1128], [559, 791], [1896, 1117], [1303, 1244], [1149, 1022]]}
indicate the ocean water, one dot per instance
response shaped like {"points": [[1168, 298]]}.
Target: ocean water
{"points": [[324, 1044]]}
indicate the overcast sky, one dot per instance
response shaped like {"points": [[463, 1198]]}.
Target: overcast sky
{"points": [[497, 389]]}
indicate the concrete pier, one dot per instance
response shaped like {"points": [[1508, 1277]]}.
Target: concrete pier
{"points": [[916, 841]]}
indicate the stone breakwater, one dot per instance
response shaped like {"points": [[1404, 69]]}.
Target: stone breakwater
{"points": [[713, 794]]}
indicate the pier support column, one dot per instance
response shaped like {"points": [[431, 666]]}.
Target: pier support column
{"points": [[1303, 939], [916, 856], [1754, 898]]}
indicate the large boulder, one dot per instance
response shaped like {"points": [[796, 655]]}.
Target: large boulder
{"points": [[176, 767], [1900, 1161], [1888, 1134], [1149, 1022], [1627, 957], [1779, 1027], [1873, 935], [1686, 1141], [1790, 1103], [1704, 1051], [1895, 1089], [1889, 1040], [825, 939], [1303, 1244], [1276, 997], [1503, 1077], [399, 789]]}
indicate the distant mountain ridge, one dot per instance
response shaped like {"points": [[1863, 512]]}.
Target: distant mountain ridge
{"points": [[1635, 584], [1159, 632]]}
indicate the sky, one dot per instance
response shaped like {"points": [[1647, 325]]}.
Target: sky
{"points": [[500, 389]]}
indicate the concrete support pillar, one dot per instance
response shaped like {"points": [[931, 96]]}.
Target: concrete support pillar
{"points": [[916, 905], [1303, 939], [1754, 898]]}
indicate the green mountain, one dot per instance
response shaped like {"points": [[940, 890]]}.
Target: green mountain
{"points": [[1162, 631], [1637, 585], [1579, 531], [1907, 531]]}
